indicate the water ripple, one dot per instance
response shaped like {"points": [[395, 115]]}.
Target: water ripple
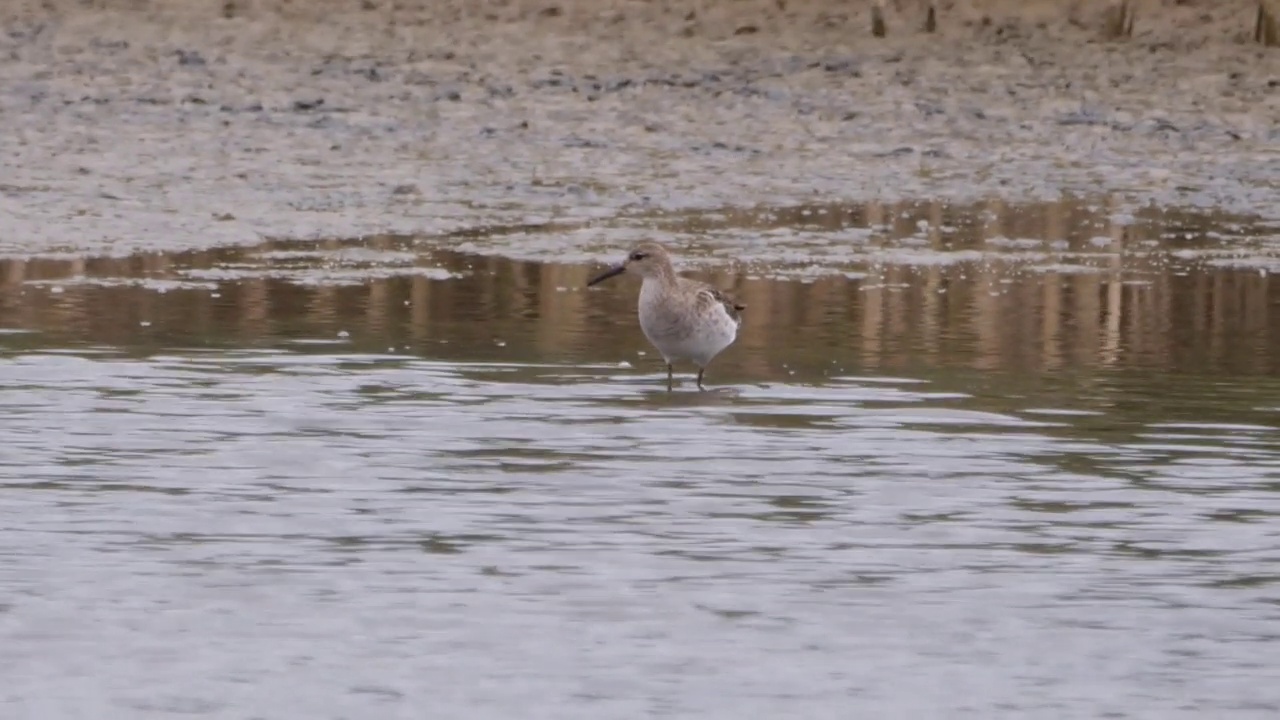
{"points": [[367, 515]]}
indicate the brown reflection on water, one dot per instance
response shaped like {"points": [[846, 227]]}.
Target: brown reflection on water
{"points": [[1091, 294]]}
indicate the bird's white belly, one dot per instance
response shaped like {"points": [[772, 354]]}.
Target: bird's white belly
{"points": [[681, 333]]}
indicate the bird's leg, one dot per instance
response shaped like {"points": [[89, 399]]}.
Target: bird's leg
{"points": [[700, 371], [668, 377]]}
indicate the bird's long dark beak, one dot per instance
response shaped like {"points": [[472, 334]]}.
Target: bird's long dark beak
{"points": [[607, 274]]}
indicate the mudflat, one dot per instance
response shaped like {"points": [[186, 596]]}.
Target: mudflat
{"points": [[156, 125]]}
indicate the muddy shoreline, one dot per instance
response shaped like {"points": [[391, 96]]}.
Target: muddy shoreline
{"points": [[136, 126]]}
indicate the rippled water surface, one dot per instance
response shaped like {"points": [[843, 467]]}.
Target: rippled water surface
{"points": [[959, 467]]}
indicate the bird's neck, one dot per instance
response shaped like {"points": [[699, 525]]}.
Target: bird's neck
{"points": [[666, 275]]}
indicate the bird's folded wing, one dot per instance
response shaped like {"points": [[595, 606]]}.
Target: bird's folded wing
{"points": [[711, 295]]}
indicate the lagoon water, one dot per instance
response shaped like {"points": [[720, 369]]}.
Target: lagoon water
{"points": [[949, 471]]}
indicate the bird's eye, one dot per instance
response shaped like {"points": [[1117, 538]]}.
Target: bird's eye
{"points": [[637, 255]]}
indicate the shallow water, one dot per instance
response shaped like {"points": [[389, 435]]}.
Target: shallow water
{"points": [[961, 469]]}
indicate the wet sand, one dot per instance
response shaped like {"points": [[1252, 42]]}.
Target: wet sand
{"points": [[148, 125]]}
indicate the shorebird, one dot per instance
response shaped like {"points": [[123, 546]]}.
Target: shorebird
{"points": [[684, 319]]}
